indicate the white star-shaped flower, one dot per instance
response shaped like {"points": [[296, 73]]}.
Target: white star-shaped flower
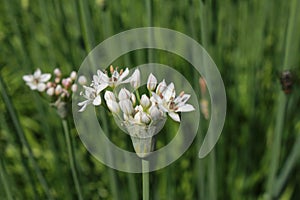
{"points": [[37, 80], [171, 105]]}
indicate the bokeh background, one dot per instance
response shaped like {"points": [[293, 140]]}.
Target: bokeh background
{"points": [[251, 42]]}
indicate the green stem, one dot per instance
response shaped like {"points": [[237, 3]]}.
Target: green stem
{"points": [[291, 44], [287, 168], [4, 180], [15, 120], [145, 169], [112, 175], [138, 95], [71, 158]]}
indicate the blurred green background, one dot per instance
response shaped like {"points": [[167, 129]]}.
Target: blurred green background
{"points": [[251, 42]]}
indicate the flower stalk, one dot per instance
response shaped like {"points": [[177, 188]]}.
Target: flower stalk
{"points": [[71, 158], [145, 170]]}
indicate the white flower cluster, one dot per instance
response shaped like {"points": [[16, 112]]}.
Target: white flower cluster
{"points": [[130, 107], [60, 89]]}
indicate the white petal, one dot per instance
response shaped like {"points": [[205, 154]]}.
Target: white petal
{"points": [[45, 77], [151, 83], [174, 116], [28, 78], [135, 79], [126, 106], [37, 73], [124, 94], [102, 76], [109, 96], [185, 108], [124, 74], [101, 87], [41, 87], [83, 103], [145, 101], [156, 98], [113, 106], [169, 92], [82, 108], [32, 86], [97, 101], [82, 80], [161, 87]]}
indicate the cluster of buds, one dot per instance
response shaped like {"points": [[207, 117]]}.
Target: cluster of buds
{"points": [[60, 89], [142, 116]]}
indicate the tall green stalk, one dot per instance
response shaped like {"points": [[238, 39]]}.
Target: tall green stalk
{"points": [[211, 165], [13, 114], [287, 168], [145, 170], [290, 46], [71, 158], [4, 180]]}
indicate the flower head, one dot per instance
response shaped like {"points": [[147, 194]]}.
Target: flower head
{"points": [[37, 81]]}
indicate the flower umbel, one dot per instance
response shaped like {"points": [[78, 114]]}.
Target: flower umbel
{"points": [[142, 117], [59, 90]]}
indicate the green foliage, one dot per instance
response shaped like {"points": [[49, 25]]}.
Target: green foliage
{"points": [[250, 41]]}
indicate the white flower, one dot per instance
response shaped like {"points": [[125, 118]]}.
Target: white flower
{"points": [[57, 72], [133, 99], [109, 96], [124, 94], [113, 81], [155, 113], [37, 81], [73, 75], [141, 118], [145, 102], [135, 79], [126, 106], [50, 91], [161, 87], [82, 80], [151, 83], [168, 103], [58, 90], [145, 118], [113, 106], [92, 96], [74, 88]]}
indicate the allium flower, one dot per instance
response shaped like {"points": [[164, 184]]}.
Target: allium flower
{"points": [[92, 97], [168, 103], [145, 101], [113, 106], [142, 117], [82, 80], [124, 94], [151, 83], [37, 81], [126, 106], [135, 79], [116, 78]]}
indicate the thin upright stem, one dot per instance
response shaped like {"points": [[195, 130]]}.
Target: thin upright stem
{"points": [[15, 120], [145, 169], [71, 158], [4, 180]]}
